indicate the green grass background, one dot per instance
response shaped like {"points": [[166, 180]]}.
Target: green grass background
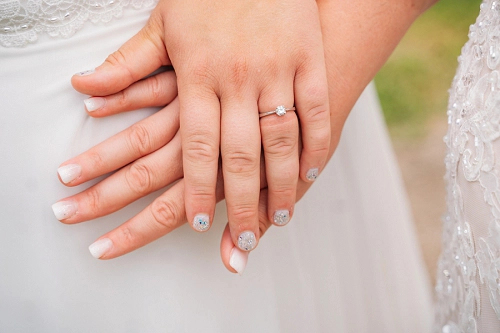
{"points": [[413, 85]]}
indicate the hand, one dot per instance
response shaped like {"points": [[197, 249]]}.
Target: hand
{"points": [[149, 159], [239, 58]]}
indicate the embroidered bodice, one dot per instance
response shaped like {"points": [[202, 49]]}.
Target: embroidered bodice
{"points": [[468, 282], [22, 21]]}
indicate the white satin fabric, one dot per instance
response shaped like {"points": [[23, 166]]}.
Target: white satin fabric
{"points": [[348, 261]]}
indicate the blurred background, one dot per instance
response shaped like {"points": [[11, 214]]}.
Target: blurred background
{"points": [[413, 90]]}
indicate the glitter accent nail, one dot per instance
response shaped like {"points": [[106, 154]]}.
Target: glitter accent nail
{"points": [[247, 241], [281, 217], [201, 222], [64, 209], [69, 172], [87, 72], [94, 103], [312, 174]]}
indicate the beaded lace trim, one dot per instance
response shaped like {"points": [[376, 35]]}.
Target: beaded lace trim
{"points": [[469, 262], [22, 21]]}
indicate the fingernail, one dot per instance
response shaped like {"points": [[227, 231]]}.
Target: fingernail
{"points": [[247, 241], [282, 217], [201, 222], [94, 103], [87, 72], [100, 247], [238, 260], [312, 174], [64, 209], [69, 172]]}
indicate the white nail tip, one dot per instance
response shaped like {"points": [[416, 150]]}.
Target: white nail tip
{"points": [[87, 72], [64, 209], [201, 222], [94, 103], [100, 247], [69, 172], [238, 260]]}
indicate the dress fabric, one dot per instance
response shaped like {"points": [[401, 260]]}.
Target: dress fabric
{"points": [[468, 282], [348, 261]]}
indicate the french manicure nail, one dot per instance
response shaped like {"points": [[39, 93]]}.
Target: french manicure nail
{"points": [[201, 222], [69, 172], [85, 73], [281, 217], [238, 260], [94, 103], [247, 241], [100, 247], [312, 174], [64, 209]]}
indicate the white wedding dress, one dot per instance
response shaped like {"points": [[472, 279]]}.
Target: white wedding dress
{"points": [[468, 282], [348, 262]]}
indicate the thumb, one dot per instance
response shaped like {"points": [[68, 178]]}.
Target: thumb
{"points": [[138, 57]]}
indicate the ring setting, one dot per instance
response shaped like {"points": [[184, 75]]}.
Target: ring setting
{"points": [[279, 111]]}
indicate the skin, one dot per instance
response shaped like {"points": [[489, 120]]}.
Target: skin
{"points": [[239, 57], [358, 36]]}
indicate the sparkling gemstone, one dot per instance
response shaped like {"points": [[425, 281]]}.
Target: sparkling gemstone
{"points": [[281, 110]]}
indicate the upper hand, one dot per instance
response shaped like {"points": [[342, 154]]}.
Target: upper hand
{"points": [[233, 59]]}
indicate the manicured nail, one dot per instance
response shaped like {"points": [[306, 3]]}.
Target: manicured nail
{"points": [[64, 209], [238, 260], [281, 217], [100, 247], [312, 174], [69, 172], [247, 241], [87, 72], [94, 103], [201, 222]]}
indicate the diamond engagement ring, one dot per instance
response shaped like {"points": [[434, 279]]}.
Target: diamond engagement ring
{"points": [[280, 111]]}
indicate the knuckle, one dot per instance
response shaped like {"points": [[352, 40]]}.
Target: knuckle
{"points": [[238, 72], [139, 139], [201, 73], [93, 199], [240, 161], [127, 237], [244, 212], [118, 59], [284, 191], [283, 144], [155, 88], [122, 99], [198, 148], [96, 159], [317, 113], [139, 179], [165, 214]]}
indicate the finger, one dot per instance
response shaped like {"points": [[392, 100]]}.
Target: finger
{"points": [[233, 258], [240, 149], [280, 135], [136, 141], [137, 58], [157, 90], [311, 100], [200, 130], [130, 183], [164, 215]]}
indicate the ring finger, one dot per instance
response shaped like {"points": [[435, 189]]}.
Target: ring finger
{"points": [[280, 135]]}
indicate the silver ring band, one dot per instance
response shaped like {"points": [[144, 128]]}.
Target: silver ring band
{"points": [[279, 111]]}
